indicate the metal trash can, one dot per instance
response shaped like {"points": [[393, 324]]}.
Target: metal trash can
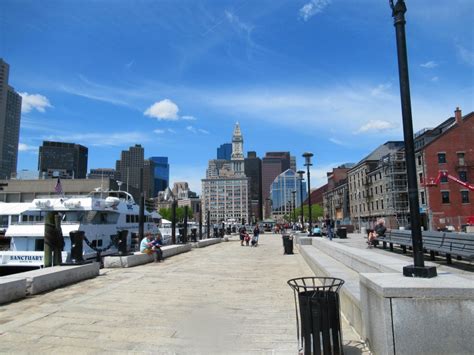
{"points": [[342, 232], [287, 244], [317, 314]]}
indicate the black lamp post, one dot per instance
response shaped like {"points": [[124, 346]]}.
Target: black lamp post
{"points": [[301, 173], [307, 162], [418, 269], [294, 205], [173, 221], [200, 220]]}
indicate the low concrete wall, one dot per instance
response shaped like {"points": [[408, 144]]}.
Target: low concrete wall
{"points": [[50, 278], [206, 242], [140, 258], [403, 315], [12, 289]]}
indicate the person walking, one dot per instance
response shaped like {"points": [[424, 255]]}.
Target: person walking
{"points": [[242, 234], [256, 233], [329, 227]]}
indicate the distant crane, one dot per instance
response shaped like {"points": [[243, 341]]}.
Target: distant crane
{"points": [[435, 182]]}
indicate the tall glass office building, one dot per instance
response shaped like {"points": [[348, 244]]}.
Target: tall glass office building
{"points": [[224, 151], [162, 173], [282, 196]]}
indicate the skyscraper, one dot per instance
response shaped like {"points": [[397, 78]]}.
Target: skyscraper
{"points": [[273, 164], [67, 160], [10, 114], [253, 170], [224, 151], [162, 174], [281, 193], [128, 170]]}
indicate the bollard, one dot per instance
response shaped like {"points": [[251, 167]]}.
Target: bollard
{"points": [[194, 235], [77, 238], [122, 242]]}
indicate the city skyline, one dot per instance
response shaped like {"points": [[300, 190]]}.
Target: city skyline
{"points": [[297, 75]]}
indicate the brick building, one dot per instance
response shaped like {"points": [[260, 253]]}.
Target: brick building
{"points": [[450, 148], [336, 198]]}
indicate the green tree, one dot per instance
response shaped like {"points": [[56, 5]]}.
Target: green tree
{"points": [[165, 213], [316, 212]]}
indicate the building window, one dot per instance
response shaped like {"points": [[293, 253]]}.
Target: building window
{"points": [[463, 176], [381, 204], [419, 159], [444, 196], [461, 161], [441, 158], [377, 204], [422, 196], [464, 196], [444, 179], [420, 175]]}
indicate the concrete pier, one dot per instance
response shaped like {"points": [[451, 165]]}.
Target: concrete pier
{"points": [[223, 299]]}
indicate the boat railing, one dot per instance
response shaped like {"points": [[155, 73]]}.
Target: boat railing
{"points": [[34, 223]]}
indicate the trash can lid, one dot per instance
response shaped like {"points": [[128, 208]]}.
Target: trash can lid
{"points": [[314, 283]]}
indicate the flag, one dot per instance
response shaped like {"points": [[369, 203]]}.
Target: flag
{"points": [[58, 188]]}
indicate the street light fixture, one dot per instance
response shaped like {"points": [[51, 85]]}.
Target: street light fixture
{"points": [[418, 269], [301, 173], [307, 162]]}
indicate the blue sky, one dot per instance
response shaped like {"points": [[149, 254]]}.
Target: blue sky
{"points": [[175, 76]]}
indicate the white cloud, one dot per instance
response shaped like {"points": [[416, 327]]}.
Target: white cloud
{"points": [[102, 139], [188, 118], [435, 79], [34, 101], [338, 142], [381, 90], [196, 130], [466, 55], [429, 65], [163, 110], [159, 131], [376, 126], [171, 130], [312, 8], [27, 148], [241, 26]]}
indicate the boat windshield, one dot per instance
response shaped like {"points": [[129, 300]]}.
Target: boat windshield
{"points": [[100, 217]]}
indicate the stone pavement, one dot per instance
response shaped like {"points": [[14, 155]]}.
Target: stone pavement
{"points": [[224, 299]]}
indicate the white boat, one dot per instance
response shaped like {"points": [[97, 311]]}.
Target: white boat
{"points": [[166, 231], [101, 215]]}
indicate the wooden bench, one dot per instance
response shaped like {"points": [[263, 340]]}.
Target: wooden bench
{"points": [[447, 243]]}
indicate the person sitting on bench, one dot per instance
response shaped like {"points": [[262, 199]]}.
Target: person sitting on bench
{"points": [[379, 231]]}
